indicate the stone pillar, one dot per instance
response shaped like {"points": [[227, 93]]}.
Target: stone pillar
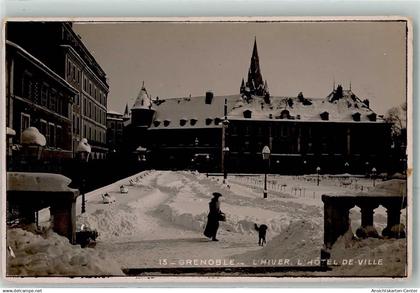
{"points": [[64, 219], [367, 229], [394, 228], [336, 221]]}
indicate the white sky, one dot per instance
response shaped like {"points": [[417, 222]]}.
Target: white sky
{"points": [[179, 59]]}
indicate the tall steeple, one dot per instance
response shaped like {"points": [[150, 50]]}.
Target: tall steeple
{"points": [[126, 115], [255, 81]]}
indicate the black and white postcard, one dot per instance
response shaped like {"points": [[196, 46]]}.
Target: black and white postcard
{"points": [[208, 147]]}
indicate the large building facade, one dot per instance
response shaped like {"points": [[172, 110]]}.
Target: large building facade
{"points": [[38, 97], [339, 133], [57, 46]]}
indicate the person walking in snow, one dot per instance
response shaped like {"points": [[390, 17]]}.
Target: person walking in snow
{"points": [[215, 215]]}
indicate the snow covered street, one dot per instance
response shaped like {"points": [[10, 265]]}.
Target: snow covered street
{"points": [[160, 222]]}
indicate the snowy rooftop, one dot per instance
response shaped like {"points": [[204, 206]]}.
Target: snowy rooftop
{"points": [[191, 112], [111, 112], [143, 100], [348, 108], [194, 112]]}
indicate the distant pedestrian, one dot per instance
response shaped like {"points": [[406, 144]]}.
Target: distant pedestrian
{"points": [[215, 215]]}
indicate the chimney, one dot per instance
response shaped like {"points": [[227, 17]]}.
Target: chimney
{"points": [[209, 97]]}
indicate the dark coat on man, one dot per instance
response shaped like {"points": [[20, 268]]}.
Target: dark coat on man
{"points": [[213, 218]]}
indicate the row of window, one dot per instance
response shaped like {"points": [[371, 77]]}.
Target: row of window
{"points": [[94, 112], [53, 132], [41, 93], [94, 92], [91, 133], [74, 75], [115, 125]]}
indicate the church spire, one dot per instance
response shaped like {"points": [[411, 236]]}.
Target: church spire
{"points": [[126, 113], [242, 88], [255, 79]]}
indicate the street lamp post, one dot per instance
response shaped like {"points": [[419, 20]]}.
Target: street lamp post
{"points": [[33, 143], [373, 175], [318, 169], [83, 150], [266, 156], [367, 168], [346, 167], [225, 154]]}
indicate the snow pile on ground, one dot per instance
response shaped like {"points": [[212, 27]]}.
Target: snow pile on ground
{"points": [[300, 242], [50, 254], [189, 207], [371, 257], [110, 223]]}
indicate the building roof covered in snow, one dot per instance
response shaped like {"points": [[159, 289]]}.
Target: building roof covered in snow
{"points": [[339, 106], [143, 100], [192, 112], [201, 112], [114, 113]]}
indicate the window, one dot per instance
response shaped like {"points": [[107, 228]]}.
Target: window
{"points": [[59, 136], [51, 135], [85, 84], [74, 123], [26, 86], [43, 127], [73, 74], [35, 91], [25, 121], [53, 100], [44, 94], [68, 68]]}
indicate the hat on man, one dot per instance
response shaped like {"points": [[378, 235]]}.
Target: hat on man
{"points": [[217, 194]]}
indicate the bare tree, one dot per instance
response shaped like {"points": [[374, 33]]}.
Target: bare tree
{"points": [[398, 117]]}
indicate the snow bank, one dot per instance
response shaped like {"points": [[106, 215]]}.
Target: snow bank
{"points": [[300, 241], [189, 207], [50, 254], [371, 257], [110, 223]]}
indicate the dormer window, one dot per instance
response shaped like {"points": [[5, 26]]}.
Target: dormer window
{"points": [[356, 116], [193, 121], [208, 121], [166, 122], [183, 121], [285, 114], [156, 123], [324, 115], [247, 114], [372, 116]]}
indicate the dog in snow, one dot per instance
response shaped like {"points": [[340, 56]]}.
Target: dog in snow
{"points": [[262, 232]]}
